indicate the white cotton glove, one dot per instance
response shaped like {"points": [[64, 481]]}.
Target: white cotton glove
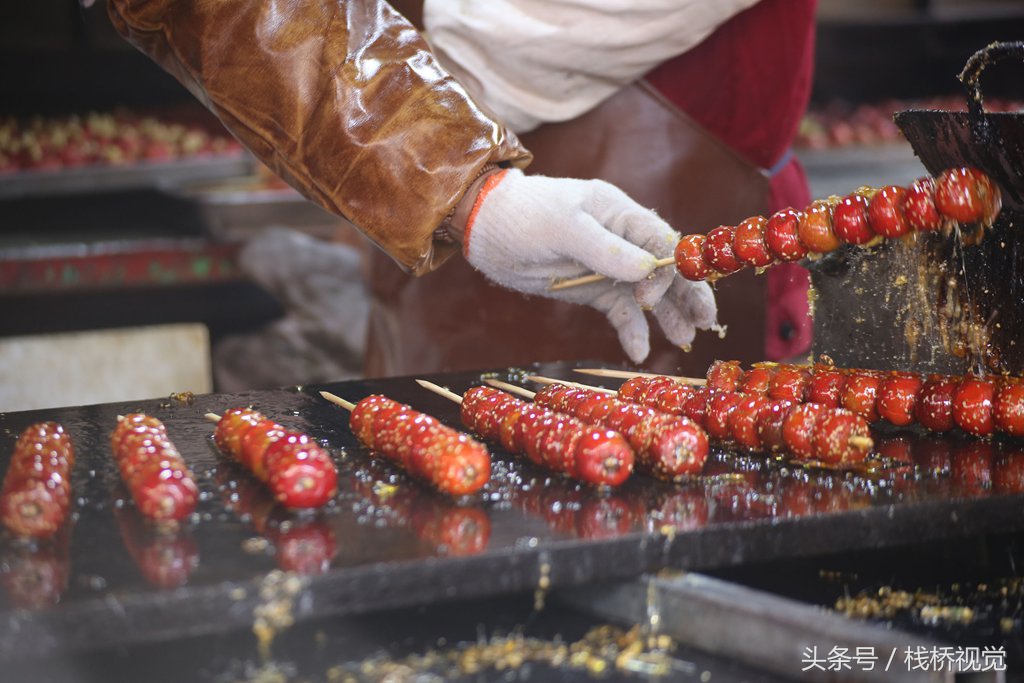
{"points": [[529, 231]]}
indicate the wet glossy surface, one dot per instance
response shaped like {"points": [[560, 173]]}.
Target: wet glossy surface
{"points": [[387, 541], [962, 592], [500, 639]]}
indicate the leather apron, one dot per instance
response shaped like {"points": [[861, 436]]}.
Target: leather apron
{"points": [[454, 319]]}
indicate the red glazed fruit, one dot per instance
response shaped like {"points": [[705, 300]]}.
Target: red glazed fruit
{"points": [[841, 438], [861, 395], [724, 375], [696, 406], [897, 397], [972, 406], [966, 195], [744, 419], [1008, 408], [757, 379], [603, 457], [790, 383], [934, 407], [770, 424], [749, 244], [782, 235], [690, 258], [717, 250], [301, 474], [798, 429], [826, 387], [815, 228], [717, 421], [919, 206], [885, 211], [850, 220], [632, 387]]}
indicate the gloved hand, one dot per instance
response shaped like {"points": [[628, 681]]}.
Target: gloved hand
{"points": [[524, 232]]}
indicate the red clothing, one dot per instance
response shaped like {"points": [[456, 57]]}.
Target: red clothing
{"points": [[749, 83]]}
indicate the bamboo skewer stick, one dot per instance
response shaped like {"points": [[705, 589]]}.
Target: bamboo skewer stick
{"points": [[337, 400], [551, 380], [212, 417], [511, 388], [630, 374], [440, 391], [594, 277]]}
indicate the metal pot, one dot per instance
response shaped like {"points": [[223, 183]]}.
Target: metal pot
{"points": [[938, 303]]}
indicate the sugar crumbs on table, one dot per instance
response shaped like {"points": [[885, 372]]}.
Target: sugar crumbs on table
{"points": [[274, 614], [603, 649], [186, 397]]}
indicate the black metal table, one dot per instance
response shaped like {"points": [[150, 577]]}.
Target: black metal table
{"points": [[387, 542]]}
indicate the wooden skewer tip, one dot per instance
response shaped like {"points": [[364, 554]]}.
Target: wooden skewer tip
{"points": [[439, 390], [864, 442], [212, 417], [337, 400]]}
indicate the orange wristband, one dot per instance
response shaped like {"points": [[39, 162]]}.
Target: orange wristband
{"points": [[489, 184]]}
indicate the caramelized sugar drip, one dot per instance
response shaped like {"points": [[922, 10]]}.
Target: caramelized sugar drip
{"points": [[931, 302]]}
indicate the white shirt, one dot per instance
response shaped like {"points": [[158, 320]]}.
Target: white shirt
{"points": [[551, 60]]}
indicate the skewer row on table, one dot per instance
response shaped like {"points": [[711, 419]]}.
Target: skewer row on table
{"points": [[977, 405], [665, 446], [554, 441], [807, 433], [815, 413]]}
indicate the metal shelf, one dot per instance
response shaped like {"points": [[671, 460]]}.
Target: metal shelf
{"points": [[841, 171], [93, 179]]}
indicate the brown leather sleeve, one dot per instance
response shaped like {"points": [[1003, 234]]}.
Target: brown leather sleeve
{"points": [[341, 98]]}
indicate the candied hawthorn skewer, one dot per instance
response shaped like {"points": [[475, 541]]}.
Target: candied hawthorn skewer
{"points": [[36, 492], [666, 446], [447, 459], [152, 469], [555, 441], [830, 436], [938, 402], [960, 195], [977, 405], [862, 218], [298, 472]]}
